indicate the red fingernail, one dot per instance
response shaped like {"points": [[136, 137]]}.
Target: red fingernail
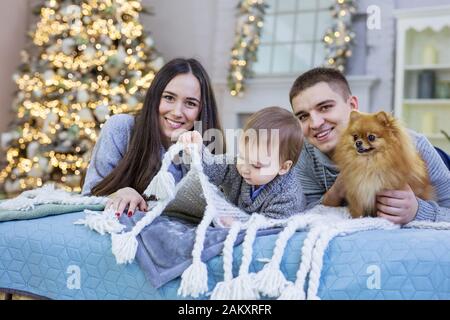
{"points": [[130, 213], [117, 214]]}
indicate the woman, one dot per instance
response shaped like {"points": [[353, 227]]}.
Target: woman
{"points": [[129, 151]]}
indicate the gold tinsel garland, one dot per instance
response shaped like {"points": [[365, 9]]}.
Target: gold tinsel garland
{"points": [[247, 39], [339, 38]]}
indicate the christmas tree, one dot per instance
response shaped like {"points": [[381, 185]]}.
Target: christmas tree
{"points": [[88, 59]]}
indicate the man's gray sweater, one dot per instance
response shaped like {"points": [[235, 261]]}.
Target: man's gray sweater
{"points": [[317, 173]]}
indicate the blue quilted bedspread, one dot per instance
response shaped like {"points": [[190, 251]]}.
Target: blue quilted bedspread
{"points": [[43, 256]]}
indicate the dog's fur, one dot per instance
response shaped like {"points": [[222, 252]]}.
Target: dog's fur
{"points": [[388, 162]]}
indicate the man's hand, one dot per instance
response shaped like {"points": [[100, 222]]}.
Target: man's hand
{"points": [[336, 194], [397, 206]]}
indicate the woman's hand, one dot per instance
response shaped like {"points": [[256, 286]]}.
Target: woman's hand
{"points": [[191, 137], [126, 197]]}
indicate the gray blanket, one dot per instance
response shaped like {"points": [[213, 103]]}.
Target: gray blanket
{"points": [[165, 246]]}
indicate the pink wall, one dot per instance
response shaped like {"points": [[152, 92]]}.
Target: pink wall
{"points": [[14, 16]]}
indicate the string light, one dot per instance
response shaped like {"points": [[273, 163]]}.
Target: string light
{"points": [[339, 38], [90, 58], [243, 53]]}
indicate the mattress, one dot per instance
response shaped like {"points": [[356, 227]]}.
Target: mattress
{"points": [[52, 258]]}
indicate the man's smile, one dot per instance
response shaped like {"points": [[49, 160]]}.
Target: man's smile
{"points": [[323, 134]]}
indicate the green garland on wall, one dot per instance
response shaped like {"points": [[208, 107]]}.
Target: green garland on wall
{"points": [[339, 38], [247, 39]]}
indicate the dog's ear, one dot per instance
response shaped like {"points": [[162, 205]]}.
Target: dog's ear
{"points": [[354, 115], [384, 118]]}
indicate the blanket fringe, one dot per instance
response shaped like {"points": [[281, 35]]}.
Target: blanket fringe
{"points": [[292, 292], [242, 288], [193, 280], [270, 281], [162, 186], [102, 222], [124, 247], [222, 291]]}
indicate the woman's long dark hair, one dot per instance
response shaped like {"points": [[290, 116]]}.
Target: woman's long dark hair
{"points": [[142, 160]]}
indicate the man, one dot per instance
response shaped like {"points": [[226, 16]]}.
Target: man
{"points": [[322, 101]]}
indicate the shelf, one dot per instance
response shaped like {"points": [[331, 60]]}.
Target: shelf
{"points": [[422, 42], [426, 102], [419, 67]]}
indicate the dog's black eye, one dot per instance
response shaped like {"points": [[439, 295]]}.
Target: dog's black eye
{"points": [[371, 138], [355, 137]]}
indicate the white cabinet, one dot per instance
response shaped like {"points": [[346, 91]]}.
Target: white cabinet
{"points": [[422, 73]]}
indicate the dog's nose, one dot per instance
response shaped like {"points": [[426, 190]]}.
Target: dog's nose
{"points": [[358, 144]]}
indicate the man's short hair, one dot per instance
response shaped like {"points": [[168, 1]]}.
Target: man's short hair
{"points": [[290, 130], [334, 78]]}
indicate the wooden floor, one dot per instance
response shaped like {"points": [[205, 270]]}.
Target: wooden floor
{"points": [[5, 296], [19, 297]]}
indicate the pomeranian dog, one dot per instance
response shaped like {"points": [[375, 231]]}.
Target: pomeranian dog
{"points": [[376, 153]]}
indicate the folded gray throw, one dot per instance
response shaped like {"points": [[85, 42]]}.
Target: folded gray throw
{"points": [[165, 246]]}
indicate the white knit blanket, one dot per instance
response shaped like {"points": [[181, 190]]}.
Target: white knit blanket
{"points": [[48, 194], [321, 223]]}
